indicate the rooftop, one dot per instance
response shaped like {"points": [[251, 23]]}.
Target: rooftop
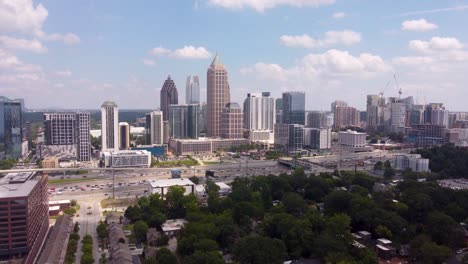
{"points": [[125, 152], [18, 184], [173, 224], [109, 104], [170, 182]]}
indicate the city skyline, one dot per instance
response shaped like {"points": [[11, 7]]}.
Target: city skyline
{"points": [[325, 48]]}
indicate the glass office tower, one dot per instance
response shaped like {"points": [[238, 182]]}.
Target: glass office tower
{"points": [[294, 108], [10, 128]]}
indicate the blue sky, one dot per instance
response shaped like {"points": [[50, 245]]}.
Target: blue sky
{"points": [[79, 54]]}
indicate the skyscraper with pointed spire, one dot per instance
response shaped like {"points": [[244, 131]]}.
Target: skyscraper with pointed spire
{"points": [[192, 90], [218, 95], [169, 96]]}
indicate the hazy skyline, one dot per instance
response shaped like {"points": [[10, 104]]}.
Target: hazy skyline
{"points": [[70, 55]]}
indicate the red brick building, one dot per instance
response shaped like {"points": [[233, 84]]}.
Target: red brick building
{"points": [[24, 216]]}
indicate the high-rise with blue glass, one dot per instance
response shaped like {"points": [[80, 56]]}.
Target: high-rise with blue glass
{"points": [[294, 108], [10, 128]]}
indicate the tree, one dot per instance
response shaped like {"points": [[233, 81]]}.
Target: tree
{"points": [[140, 228], [174, 201], [102, 230], [259, 250], [73, 202], [378, 165], [383, 232], [165, 256], [70, 211], [200, 257], [433, 253], [294, 203]]}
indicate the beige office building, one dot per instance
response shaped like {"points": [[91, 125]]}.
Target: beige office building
{"points": [[218, 95], [232, 121]]}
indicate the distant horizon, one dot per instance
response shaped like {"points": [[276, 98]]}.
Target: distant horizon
{"points": [[79, 55]]}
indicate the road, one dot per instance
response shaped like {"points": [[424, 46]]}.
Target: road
{"points": [[89, 217]]}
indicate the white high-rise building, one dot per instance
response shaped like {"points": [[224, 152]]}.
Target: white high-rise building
{"points": [[192, 90], [317, 138], [109, 126], [259, 112], [260, 116]]}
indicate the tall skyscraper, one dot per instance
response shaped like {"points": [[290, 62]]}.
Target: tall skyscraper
{"points": [[154, 128], [397, 116], [218, 95], [10, 128], [374, 108], [192, 90], [231, 121], [109, 126], [69, 129], [169, 96], [279, 110], [294, 108], [124, 135], [259, 112], [183, 121], [202, 119]]}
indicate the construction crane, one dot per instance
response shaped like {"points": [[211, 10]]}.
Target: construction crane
{"points": [[398, 87], [382, 92]]}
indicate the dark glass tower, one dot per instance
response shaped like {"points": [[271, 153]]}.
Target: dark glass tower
{"points": [[294, 108], [169, 96], [10, 128]]}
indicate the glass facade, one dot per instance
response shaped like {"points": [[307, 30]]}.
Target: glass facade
{"points": [[184, 121], [294, 108], [10, 128]]}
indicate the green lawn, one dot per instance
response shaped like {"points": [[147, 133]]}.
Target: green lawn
{"points": [[71, 180], [211, 162], [120, 202]]}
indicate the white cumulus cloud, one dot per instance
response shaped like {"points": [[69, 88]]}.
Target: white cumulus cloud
{"points": [[322, 65], [23, 17], [262, 5], [345, 37], [186, 52], [33, 45], [418, 25], [338, 15], [435, 44]]}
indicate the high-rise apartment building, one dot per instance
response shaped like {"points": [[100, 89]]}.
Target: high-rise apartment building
{"points": [[183, 121], [346, 116], [218, 95], [289, 137], [109, 126], [374, 108], [69, 129], [337, 103], [436, 114], [11, 134], [169, 96], [192, 90], [294, 108], [231, 121], [24, 215], [397, 116], [154, 128], [124, 135], [316, 119], [317, 138], [259, 112]]}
